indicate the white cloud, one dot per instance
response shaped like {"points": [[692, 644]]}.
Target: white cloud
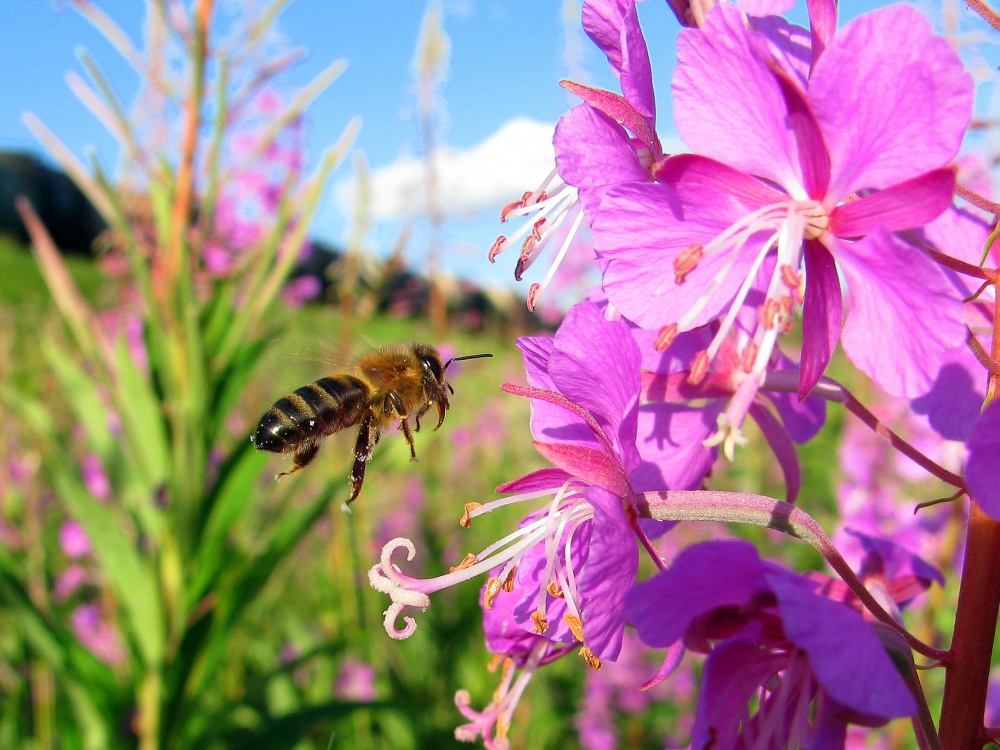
{"points": [[498, 170]]}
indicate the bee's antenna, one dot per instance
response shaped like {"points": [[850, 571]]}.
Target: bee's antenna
{"points": [[467, 356]]}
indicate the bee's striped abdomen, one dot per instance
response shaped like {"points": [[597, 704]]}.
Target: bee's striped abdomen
{"points": [[312, 412]]}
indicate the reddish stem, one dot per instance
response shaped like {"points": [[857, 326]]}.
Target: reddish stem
{"points": [[184, 185], [976, 199], [976, 619], [972, 644], [986, 12], [829, 389]]}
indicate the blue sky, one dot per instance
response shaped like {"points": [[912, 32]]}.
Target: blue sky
{"points": [[507, 57]]}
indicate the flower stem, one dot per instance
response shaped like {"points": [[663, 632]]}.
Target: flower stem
{"points": [[831, 390], [975, 625], [760, 510]]}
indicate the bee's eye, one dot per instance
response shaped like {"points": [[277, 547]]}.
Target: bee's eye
{"points": [[431, 367]]}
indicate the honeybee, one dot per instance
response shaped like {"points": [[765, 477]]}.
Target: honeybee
{"points": [[390, 383]]}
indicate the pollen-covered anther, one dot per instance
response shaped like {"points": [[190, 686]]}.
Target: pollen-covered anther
{"points": [[666, 337], [541, 624], [783, 316], [466, 520], [588, 656], [790, 277], [467, 562], [498, 246], [496, 662], [699, 368], [817, 220], [523, 262], [575, 626], [493, 587], [687, 261], [508, 581], [533, 293], [766, 313], [513, 206], [750, 352], [554, 591]]}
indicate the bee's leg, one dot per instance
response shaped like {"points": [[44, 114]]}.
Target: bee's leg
{"points": [[405, 427], [301, 459], [419, 414], [363, 450]]}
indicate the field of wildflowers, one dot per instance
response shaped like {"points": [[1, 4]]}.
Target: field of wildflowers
{"points": [[598, 549]]}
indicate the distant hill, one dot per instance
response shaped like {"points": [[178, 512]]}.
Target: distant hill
{"points": [[388, 286], [73, 223]]}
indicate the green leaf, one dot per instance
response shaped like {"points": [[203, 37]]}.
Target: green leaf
{"points": [[81, 390], [133, 580], [231, 383], [233, 490], [286, 730], [141, 417], [249, 578]]}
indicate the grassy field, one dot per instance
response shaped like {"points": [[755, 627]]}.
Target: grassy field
{"points": [[308, 664]]}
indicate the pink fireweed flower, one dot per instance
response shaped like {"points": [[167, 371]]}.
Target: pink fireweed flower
{"points": [[69, 582], [569, 563], [773, 189], [892, 574], [699, 368], [74, 540], [356, 681], [97, 634], [809, 665], [586, 167]]}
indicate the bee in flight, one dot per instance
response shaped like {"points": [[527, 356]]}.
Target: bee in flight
{"points": [[390, 383]]}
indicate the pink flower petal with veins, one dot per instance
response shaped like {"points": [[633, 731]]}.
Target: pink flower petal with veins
{"points": [[903, 310], [905, 205], [892, 99]]}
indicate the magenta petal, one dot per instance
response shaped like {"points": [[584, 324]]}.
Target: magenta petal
{"points": [[670, 439], [609, 574], [592, 466], [782, 447], [905, 316], [550, 420], [906, 205], [814, 159], [765, 7], [845, 653], [614, 27], [544, 479], [821, 315], [982, 470], [503, 633], [639, 231], [619, 109], [734, 671], [893, 561], [536, 350], [727, 102], [802, 419], [703, 577], [953, 403], [892, 98], [593, 153], [595, 364], [823, 24], [691, 172]]}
